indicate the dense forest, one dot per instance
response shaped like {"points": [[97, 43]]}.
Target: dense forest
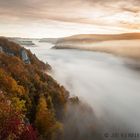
{"points": [[33, 106]]}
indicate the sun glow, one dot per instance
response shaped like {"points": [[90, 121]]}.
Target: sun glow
{"points": [[57, 18]]}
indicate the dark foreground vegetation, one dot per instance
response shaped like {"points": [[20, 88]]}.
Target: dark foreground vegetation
{"points": [[33, 106]]}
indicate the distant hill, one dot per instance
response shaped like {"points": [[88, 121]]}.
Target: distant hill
{"points": [[49, 40], [126, 45], [100, 37], [23, 41]]}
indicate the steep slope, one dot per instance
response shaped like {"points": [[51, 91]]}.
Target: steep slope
{"points": [[33, 106], [29, 83]]}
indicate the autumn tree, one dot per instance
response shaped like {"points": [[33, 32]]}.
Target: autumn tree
{"points": [[8, 84], [21, 85], [46, 122], [12, 120]]}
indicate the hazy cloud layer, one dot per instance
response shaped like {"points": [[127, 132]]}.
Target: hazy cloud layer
{"points": [[64, 9], [120, 13]]}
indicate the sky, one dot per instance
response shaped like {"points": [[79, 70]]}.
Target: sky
{"points": [[58, 18]]}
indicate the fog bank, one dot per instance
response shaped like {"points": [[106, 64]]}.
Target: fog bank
{"points": [[125, 48], [110, 85]]}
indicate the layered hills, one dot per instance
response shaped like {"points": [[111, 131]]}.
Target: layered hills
{"points": [[126, 45]]}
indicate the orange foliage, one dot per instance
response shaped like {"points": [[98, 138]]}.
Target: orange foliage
{"points": [[8, 84]]}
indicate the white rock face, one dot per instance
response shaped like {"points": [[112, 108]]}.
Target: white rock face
{"points": [[25, 57], [1, 49]]}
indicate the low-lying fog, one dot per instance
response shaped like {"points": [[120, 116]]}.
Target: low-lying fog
{"points": [[110, 85], [130, 48]]}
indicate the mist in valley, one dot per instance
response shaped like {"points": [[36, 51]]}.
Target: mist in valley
{"points": [[109, 85], [125, 48]]}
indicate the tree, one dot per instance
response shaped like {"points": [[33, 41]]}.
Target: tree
{"points": [[10, 85], [12, 116], [46, 122]]}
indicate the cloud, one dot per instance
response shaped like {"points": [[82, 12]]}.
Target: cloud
{"points": [[131, 9], [94, 12], [39, 8]]}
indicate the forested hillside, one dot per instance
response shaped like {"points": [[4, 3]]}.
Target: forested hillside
{"points": [[33, 106]]}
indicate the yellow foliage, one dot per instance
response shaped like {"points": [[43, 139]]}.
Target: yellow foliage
{"points": [[46, 122], [18, 104]]}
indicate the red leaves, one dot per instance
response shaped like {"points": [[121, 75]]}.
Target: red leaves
{"points": [[29, 133], [12, 124]]}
